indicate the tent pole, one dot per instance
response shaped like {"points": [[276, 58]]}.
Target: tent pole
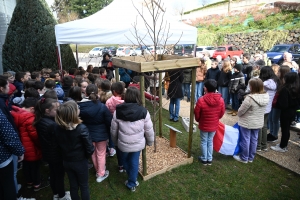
{"points": [[192, 111], [59, 58], [77, 60], [160, 105], [142, 89]]}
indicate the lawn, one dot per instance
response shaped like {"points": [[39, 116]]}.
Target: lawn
{"points": [[225, 179]]}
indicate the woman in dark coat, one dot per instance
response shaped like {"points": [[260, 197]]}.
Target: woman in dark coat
{"points": [[107, 64], [175, 93]]}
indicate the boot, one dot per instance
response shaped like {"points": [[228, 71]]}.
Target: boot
{"points": [[234, 113], [230, 112]]}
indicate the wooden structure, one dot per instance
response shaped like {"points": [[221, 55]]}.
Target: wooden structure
{"points": [[173, 132], [161, 63]]}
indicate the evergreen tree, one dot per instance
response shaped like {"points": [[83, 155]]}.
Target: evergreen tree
{"points": [[30, 40]]}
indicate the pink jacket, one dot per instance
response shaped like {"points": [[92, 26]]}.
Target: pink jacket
{"points": [[112, 103], [132, 135]]}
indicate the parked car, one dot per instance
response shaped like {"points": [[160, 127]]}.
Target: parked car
{"points": [[124, 51], [275, 54], [183, 49], [137, 51], [150, 50], [111, 50], [202, 49], [96, 52], [227, 51]]}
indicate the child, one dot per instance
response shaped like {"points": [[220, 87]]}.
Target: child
{"points": [[10, 77], [103, 73], [84, 74], [213, 72], [117, 90], [39, 86], [200, 76], [24, 118], [97, 118], [67, 84], [251, 119], [237, 82], [51, 85], [76, 146], [209, 109], [45, 74], [105, 92], [36, 76], [44, 123], [19, 83], [83, 85], [131, 129]]}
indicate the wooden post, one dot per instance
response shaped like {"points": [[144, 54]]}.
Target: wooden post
{"points": [[160, 106], [117, 75], [142, 89], [192, 112], [172, 138]]}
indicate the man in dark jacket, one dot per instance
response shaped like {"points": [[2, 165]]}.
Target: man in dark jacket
{"points": [[186, 84], [247, 67], [175, 93], [107, 64]]}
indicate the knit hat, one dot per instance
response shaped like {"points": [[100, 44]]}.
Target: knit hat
{"points": [[238, 67], [12, 89]]}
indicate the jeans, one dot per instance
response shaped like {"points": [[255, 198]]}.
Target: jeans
{"points": [[110, 142], [274, 117], [174, 112], [15, 164], [235, 101], [119, 157], [7, 182], [262, 134], [99, 157], [57, 174], [31, 171], [186, 89], [78, 174], [248, 143], [198, 90], [224, 92], [206, 145], [131, 165]]}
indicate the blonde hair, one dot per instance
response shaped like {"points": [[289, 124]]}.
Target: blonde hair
{"points": [[226, 66], [67, 115], [256, 86]]}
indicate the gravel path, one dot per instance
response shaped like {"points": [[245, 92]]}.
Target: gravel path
{"points": [[289, 160]]}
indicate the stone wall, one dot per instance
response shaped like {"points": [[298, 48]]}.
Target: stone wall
{"points": [[251, 42]]}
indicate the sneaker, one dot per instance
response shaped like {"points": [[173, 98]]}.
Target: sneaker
{"points": [[250, 161], [236, 157], [132, 189], [41, 186], [66, 197], [209, 162], [112, 152], [202, 161], [293, 124], [266, 149], [22, 198], [55, 197], [136, 183], [101, 178], [258, 150], [90, 165], [121, 169], [279, 149]]}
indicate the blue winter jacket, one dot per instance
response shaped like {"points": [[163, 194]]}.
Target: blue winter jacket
{"points": [[97, 119], [125, 75], [19, 86], [10, 143]]}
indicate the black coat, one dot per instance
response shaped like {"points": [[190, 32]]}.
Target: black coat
{"points": [[109, 70], [224, 79], [46, 132], [75, 145], [175, 87], [213, 73], [97, 118]]}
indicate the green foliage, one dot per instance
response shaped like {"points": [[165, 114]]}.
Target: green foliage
{"points": [[83, 8], [30, 40], [206, 38], [272, 37]]}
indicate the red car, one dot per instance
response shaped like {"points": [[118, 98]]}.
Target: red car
{"points": [[227, 51]]}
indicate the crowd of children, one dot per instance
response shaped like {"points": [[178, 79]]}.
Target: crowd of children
{"points": [[64, 120]]}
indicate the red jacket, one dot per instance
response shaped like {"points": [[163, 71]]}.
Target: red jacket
{"points": [[28, 134], [209, 109]]}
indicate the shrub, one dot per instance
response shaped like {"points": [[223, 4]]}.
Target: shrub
{"points": [[30, 40]]}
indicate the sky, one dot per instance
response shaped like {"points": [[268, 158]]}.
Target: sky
{"points": [[171, 4]]}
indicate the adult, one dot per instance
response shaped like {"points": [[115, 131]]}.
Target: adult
{"points": [[125, 76], [186, 84], [289, 62], [175, 93], [200, 76], [247, 67], [224, 79], [107, 64]]}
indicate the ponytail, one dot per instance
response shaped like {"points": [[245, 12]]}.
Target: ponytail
{"points": [[41, 107], [92, 92]]}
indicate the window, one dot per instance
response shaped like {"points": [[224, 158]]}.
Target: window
{"points": [[234, 49], [178, 47], [189, 47], [221, 49], [230, 49], [296, 48]]}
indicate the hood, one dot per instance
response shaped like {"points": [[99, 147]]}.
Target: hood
{"points": [[270, 84], [130, 112], [116, 100], [212, 99], [260, 99], [20, 115]]}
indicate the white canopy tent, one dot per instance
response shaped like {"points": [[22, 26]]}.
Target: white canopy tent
{"points": [[115, 25]]}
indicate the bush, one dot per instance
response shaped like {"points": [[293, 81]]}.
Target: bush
{"points": [[30, 40]]}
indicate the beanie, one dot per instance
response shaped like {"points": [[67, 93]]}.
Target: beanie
{"points": [[238, 67]]}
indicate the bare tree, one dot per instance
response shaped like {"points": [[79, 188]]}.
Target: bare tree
{"points": [[179, 7], [203, 2]]}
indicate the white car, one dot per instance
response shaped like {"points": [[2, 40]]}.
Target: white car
{"points": [[201, 49], [159, 50], [137, 52], [125, 51], [96, 52]]}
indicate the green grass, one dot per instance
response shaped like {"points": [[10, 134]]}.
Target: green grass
{"points": [[87, 48], [225, 179]]}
